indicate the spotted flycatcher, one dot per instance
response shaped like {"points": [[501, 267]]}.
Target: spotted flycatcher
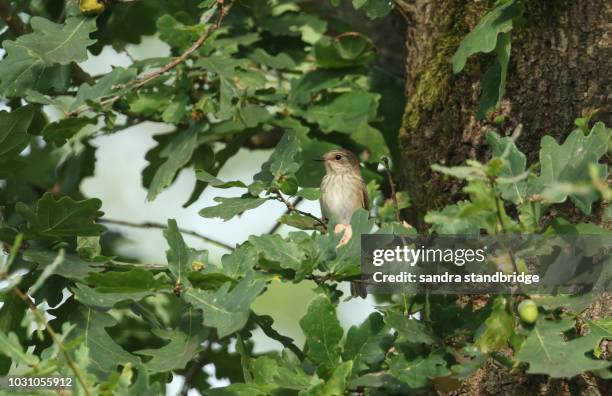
{"points": [[342, 193]]}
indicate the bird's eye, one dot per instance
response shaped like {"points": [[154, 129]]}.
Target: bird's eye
{"points": [[338, 157]]}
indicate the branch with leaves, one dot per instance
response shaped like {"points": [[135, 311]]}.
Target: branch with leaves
{"points": [[152, 224], [56, 340], [222, 11]]}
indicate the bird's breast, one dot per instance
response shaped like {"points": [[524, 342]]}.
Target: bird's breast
{"points": [[341, 195]]}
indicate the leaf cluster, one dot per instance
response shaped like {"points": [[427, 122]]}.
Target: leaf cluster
{"points": [[238, 75]]}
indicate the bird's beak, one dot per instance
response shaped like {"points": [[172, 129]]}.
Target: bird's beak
{"points": [[320, 159]]}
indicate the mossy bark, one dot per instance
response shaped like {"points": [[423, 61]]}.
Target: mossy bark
{"points": [[560, 66]]}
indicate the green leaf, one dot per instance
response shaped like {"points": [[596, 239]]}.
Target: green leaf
{"points": [[240, 261], [177, 153], [134, 280], [308, 26], [335, 385], [602, 330], [31, 60], [283, 161], [151, 102], [230, 207], [365, 344], [55, 43], [104, 352], [374, 8], [175, 34], [409, 330], [494, 81], [346, 50], [303, 88], [71, 267], [287, 253], [12, 313], [499, 327], [239, 389], [514, 166], [10, 346], [245, 361], [547, 352], [180, 256], [573, 303], [484, 36], [311, 194], [60, 131], [323, 334], [93, 298], [225, 68], [185, 342], [106, 86], [298, 221], [252, 115], [569, 164], [346, 113], [62, 218], [280, 372], [224, 309], [279, 61], [213, 181], [416, 372], [350, 113], [14, 135]]}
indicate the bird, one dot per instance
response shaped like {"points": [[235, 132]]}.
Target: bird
{"points": [[343, 191]]}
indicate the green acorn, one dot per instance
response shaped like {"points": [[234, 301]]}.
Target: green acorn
{"points": [[528, 311]]}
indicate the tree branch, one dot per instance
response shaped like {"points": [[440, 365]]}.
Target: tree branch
{"points": [[151, 224], [385, 162], [268, 330], [141, 81], [193, 371], [287, 211], [56, 339], [291, 208], [12, 20]]}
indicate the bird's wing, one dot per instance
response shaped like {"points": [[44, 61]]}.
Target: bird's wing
{"points": [[365, 201]]}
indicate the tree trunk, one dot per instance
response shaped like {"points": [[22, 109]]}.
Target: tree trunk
{"points": [[560, 66]]}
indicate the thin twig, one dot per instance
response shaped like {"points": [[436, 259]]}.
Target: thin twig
{"points": [[275, 335], [56, 339], [193, 371], [12, 20], [287, 211], [139, 82], [291, 208], [398, 216], [151, 224]]}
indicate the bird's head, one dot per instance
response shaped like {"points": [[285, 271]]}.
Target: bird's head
{"points": [[340, 161]]}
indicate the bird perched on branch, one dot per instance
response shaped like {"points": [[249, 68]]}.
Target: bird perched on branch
{"points": [[342, 193]]}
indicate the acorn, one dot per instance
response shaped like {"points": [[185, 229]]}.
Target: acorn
{"points": [[528, 311]]}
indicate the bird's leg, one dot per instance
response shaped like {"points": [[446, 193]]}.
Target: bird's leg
{"points": [[348, 233]]}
